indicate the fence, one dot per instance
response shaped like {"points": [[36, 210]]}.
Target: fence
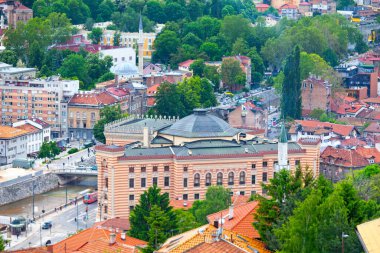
{"points": [[21, 179]]}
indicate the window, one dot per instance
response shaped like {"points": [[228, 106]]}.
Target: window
{"points": [[184, 196], [265, 164], [131, 183], [253, 166], [231, 178], [253, 192], [105, 209], [106, 182], [155, 168], [242, 178], [166, 181], [208, 179], [131, 208], [143, 169], [264, 191], [166, 168], [219, 178], [131, 197], [297, 162], [155, 181], [242, 193], [253, 179], [143, 182], [131, 169], [184, 169], [265, 176], [185, 182], [197, 178], [122, 58], [196, 196]]}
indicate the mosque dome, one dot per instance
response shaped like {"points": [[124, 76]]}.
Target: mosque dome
{"points": [[125, 69]]}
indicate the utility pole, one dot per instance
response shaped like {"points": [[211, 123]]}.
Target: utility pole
{"points": [[77, 212], [66, 187], [40, 235], [33, 196]]}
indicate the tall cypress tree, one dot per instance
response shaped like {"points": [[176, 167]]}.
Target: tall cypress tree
{"points": [[291, 101]]}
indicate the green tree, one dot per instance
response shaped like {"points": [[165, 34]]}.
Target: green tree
{"points": [[217, 198], [168, 101], [291, 101], [240, 47], [105, 10], [198, 67], [36, 55], [49, 150], [8, 56], [211, 49], [116, 39], [344, 3], [185, 220], [89, 24], [316, 113], [107, 114], [96, 35], [74, 65], [232, 75], [234, 27], [165, 44], [155, 11], [151, 201], [2, 246], [211, 73]]}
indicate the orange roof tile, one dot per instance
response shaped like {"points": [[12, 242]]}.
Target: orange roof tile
{"points": [[152, 90], [215, 247], [96, 99], [343, 157], [30, 250], [186, 64], [121, 223], [242, 220], [181, 204], [29, 128], [343, 130], [94, 240], [369, 153], [7, 132]]}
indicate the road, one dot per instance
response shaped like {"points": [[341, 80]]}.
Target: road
{"points": [[63, 225]]}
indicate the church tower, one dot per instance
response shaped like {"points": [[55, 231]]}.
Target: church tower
{"points": [[282, 149], [141, 47]]}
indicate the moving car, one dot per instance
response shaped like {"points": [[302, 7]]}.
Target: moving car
{"points": [[47, 225]]}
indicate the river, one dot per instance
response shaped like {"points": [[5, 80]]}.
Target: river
{"points": [[48, 200]]}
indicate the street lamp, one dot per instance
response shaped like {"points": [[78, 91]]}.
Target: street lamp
{"points": [[33, 196], [343, 236]]}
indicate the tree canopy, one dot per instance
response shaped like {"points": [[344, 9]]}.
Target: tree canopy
{"points": [[107, 114]]}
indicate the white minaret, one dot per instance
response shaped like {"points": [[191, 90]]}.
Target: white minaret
{"points": [[141, 47], [282, 150]]}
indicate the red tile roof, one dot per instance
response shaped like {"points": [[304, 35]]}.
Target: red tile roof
{"points": [[288, 6], [215, 247], [29, 128], [30, 250], [118, 222], [109, 148], [96, 99], [374, 127], [94, 240], [152, 90], [305, 4], [352, 142], [261, 5], [118, 92], [40, 122], [181, 204], [242, 220], [348, 158], [186, 64], [369, 153], [375, 100], [313, 125]]}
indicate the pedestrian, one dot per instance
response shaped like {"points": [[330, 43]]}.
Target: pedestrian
{"points": [[75, 219], [55, 209]]}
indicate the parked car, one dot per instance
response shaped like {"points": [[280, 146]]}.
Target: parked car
{"points": [[47, 225], [82, 167]]}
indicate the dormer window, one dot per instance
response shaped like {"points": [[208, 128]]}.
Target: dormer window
{"points": [[371, 161]]}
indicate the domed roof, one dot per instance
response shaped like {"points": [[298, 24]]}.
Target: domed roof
{"points": [[200, 124], [124, 69]]}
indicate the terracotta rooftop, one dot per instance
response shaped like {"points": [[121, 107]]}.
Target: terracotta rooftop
{"points": [[352, 142], [40, 122], [152, 90], [215, 247], [118, 92], [348, 158], [261, 5], [375, 100], [30, 250], [181, 204], [109, 148], [97, 240], [29, 128], [242, 220], [95, 99], [374, 127], [313, 125], [121, 223], [7, 132], [186, 64]]}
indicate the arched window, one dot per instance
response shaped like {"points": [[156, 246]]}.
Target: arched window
{"points": [[242, 178], [197, 178], [208, 179], [231, 178], [219, 179]]}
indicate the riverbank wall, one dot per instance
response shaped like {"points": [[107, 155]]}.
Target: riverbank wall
{"points": [[23, 188]]}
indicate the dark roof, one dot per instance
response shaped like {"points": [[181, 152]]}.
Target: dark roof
{"points": [[161, 140], [200, 124], [283, 135]]}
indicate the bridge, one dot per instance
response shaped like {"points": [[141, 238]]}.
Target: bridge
{"points": [[75, 171]]}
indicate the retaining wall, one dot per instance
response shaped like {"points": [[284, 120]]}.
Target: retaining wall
{"points": [[23, 189]]}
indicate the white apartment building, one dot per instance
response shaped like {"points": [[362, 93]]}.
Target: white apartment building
{"points": [[13, 144], [120, 55]]}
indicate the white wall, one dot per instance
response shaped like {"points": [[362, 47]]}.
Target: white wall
{"points": [[119, 55]]}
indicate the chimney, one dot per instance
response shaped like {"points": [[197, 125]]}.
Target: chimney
{"points": [[231, 212], [112, 238], [123, 235]]}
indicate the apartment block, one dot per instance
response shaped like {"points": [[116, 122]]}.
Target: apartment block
{"points": [[13, 144]]}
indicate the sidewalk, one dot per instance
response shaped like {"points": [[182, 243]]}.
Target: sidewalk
{"points": [[35, 227]]}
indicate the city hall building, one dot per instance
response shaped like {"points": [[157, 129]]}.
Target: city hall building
{"points": [[184, 157]]}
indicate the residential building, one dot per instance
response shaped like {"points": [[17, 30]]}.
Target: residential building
{"points": [[44, 99], [84, 111], [316, 94], [372, 131], [261, 7], [160, 77], [324, 7], [150, 68], [151, 95], [215, 239], [336, 163], [98, 239], [119, 55], [38, 133], [367, 233], [305, 9], [13, 144], [8, 72], [278, 3], [238, 218], [185, 157], [271, 20], [249, 117], [14, 12], [326, 132], [79, 42], [185, 66], [289, 11]]}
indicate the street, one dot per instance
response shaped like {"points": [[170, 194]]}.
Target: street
{"points": [[63, 224]]}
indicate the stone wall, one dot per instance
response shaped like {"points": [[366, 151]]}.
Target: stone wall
{"points": [[21, 190]]}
